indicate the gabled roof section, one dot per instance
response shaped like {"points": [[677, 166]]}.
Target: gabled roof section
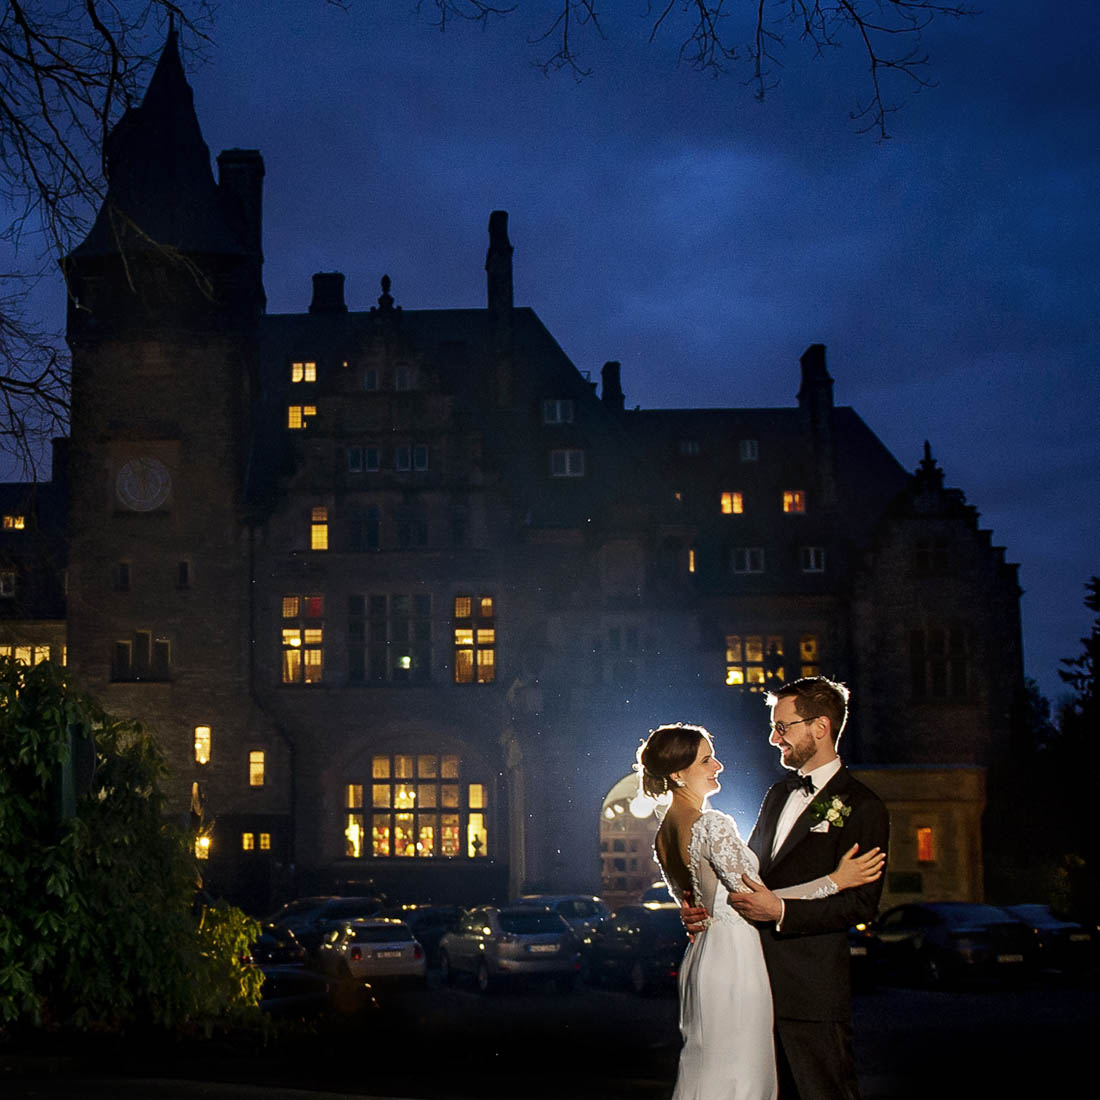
{"points": [[160, 187]]}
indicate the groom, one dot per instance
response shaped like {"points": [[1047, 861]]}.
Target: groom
{"points": [[805, 942]]}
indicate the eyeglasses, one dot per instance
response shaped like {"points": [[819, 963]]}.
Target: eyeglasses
{"points": [[782, 727]]}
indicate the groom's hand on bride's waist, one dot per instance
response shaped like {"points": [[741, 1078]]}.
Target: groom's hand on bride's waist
{"points": [[758, 903]]}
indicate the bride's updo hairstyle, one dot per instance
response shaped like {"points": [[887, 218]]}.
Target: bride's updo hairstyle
{"points": [[668, 749]]}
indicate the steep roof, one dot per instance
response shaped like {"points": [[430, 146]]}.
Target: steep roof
{"points": [[160, 187]]}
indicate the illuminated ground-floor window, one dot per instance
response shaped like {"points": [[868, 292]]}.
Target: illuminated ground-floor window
{"points": [[26, 654], [416, 806], [251, 842]]}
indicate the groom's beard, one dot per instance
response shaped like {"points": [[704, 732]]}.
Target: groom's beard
{"points": [[798, 755]]}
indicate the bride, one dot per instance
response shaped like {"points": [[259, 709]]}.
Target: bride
{"points": [[725, 999]]}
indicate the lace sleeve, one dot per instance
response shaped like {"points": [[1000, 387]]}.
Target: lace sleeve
{"points": [[823, 887], [726, 852]]}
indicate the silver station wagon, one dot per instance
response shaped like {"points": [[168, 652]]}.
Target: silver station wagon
{"points": [[496, 946]]}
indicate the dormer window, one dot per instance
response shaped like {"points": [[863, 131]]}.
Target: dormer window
{"points": [[749, 450], [558, 410], [689, 446]]}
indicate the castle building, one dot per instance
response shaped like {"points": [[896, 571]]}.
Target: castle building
{"points": [[401, 590]]}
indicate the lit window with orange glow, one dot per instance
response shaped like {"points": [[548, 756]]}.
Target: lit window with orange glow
{"points": [[256, 768], [808, 655], [297, 416], [754, 662], [202, 744], [303, 372], [303, 639], [691, 560], [248, 842], [202, 847], [265, 842], [417, 810], [794, 500], [14, 523], [474, 640], [318, 529], [733, 504], [926, 849]]}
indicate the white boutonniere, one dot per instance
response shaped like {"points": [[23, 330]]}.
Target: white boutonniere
{"points": [[829, 811]]}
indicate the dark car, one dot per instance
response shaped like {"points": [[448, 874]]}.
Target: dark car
{"points": [[277, 944], [429, 924], [861, 953], [937, 942], [584, 912], [641, 946], [310, 918], [1062, 944], [290, 991]]}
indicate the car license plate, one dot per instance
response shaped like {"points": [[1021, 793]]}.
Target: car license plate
{"points": [[857, 950], [387, 954], [1010, 958], [543, 948]]}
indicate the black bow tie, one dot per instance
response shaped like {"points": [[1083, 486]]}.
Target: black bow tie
{"points": [[800, 783]]}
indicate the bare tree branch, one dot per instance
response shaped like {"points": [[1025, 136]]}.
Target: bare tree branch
{"points": [[712, 35], [68, 71]]}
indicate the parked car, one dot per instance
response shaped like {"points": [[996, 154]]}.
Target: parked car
{"points": [[583, 911], [861, 953], [292, 991], [641, 946], [277, 944], [1062, 944], [376, 950], [429, 924], [496, 945], [936, 942], [310, 918], [657, 891]]}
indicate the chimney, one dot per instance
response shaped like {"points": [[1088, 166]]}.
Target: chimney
{"points": [[612, 392], [498, 269], [328, 293], [498, 263], [815, 401], [241, 174]]}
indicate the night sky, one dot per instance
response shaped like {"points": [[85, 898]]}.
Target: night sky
{"points": [[668, 220]]}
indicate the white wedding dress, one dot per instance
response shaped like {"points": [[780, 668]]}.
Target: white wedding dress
{"points": [[725, 998]]}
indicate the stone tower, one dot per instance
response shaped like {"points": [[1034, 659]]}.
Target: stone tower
{"points": [[165, 296]]}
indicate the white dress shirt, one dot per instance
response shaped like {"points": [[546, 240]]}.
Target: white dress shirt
{"points": [[799, 799]]}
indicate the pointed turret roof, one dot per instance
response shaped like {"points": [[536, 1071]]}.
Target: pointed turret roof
{"points": [[160, 189]]}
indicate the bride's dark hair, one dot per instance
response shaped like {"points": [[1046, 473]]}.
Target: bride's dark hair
{"points": [[668, 749]]}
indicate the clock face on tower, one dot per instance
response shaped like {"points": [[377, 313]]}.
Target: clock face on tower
{"points": [[143, 484]]}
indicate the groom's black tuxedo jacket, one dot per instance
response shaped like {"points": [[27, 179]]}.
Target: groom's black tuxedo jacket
{"points": [[808, 962]]}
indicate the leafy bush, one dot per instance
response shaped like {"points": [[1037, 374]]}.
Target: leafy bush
{"points": [[98, 923]]}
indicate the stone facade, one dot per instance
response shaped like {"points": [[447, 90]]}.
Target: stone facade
{"points": [[401, 590]]}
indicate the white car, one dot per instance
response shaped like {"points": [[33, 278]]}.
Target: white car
{"points": [[376, 950]]}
